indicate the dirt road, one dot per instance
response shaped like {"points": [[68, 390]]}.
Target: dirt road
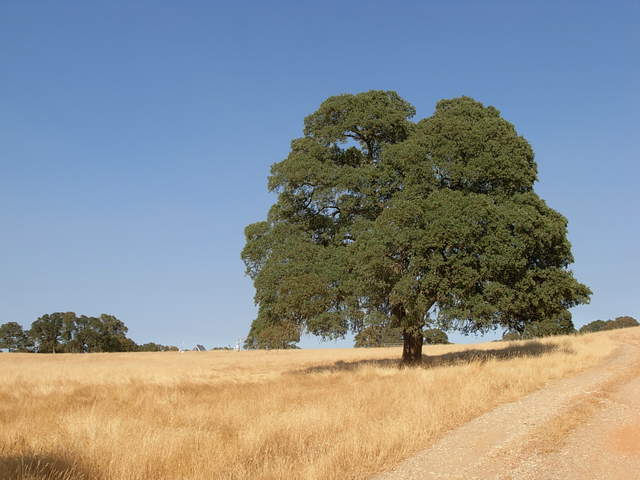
{"points": [[584, 427]]}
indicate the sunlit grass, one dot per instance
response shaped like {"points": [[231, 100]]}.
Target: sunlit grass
{"points": [[316, 414]]}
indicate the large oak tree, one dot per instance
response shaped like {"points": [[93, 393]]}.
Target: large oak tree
{"points": [[427, 223]]}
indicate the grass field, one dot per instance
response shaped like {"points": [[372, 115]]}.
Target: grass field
{"points": [[308, 414]]}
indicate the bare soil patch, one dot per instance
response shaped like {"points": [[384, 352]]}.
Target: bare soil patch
{"points": [[626, 439]]}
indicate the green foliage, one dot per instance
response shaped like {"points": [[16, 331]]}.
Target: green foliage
{"points": [[624, 322], [155, 347], [66, 332], [435, 336], [619, 322], [377, 214], [271, 336], [46, 332], [558, 325], [377, 332], [14, 338], [595, 326], [94, 334]]}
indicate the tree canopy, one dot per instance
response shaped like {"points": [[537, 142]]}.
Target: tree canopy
{"points": [[559, 325], [377, 332], [14, 338], [435, 336], [46, 332], [272, 335], [433, 223]]}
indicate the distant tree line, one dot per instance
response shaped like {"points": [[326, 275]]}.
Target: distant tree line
{"points": [[155, 347], [563, 325], [618, 322], [66, 332]]}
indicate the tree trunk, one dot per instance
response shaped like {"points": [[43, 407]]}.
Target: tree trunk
{"points": [[412, 347]]}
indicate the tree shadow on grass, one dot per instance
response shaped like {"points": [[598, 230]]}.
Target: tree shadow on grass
{"points": [[529, 349], [43, 467]]}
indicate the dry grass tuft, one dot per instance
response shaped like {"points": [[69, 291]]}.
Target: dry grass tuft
{"points": [[310, 414]]}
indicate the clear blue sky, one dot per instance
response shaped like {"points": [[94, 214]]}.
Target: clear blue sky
{"points": [[136, 137]]}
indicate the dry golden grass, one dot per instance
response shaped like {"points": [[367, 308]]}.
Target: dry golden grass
{"points": [[309, 414]]}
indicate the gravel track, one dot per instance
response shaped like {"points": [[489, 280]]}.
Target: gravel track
{"points": [[583, 427]]}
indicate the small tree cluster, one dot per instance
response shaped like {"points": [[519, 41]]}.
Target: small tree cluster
{"points": [[156, 347], [435, 336], [14, 338], [272, 336], [558, 325], [618, 322], [66, 332]]}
